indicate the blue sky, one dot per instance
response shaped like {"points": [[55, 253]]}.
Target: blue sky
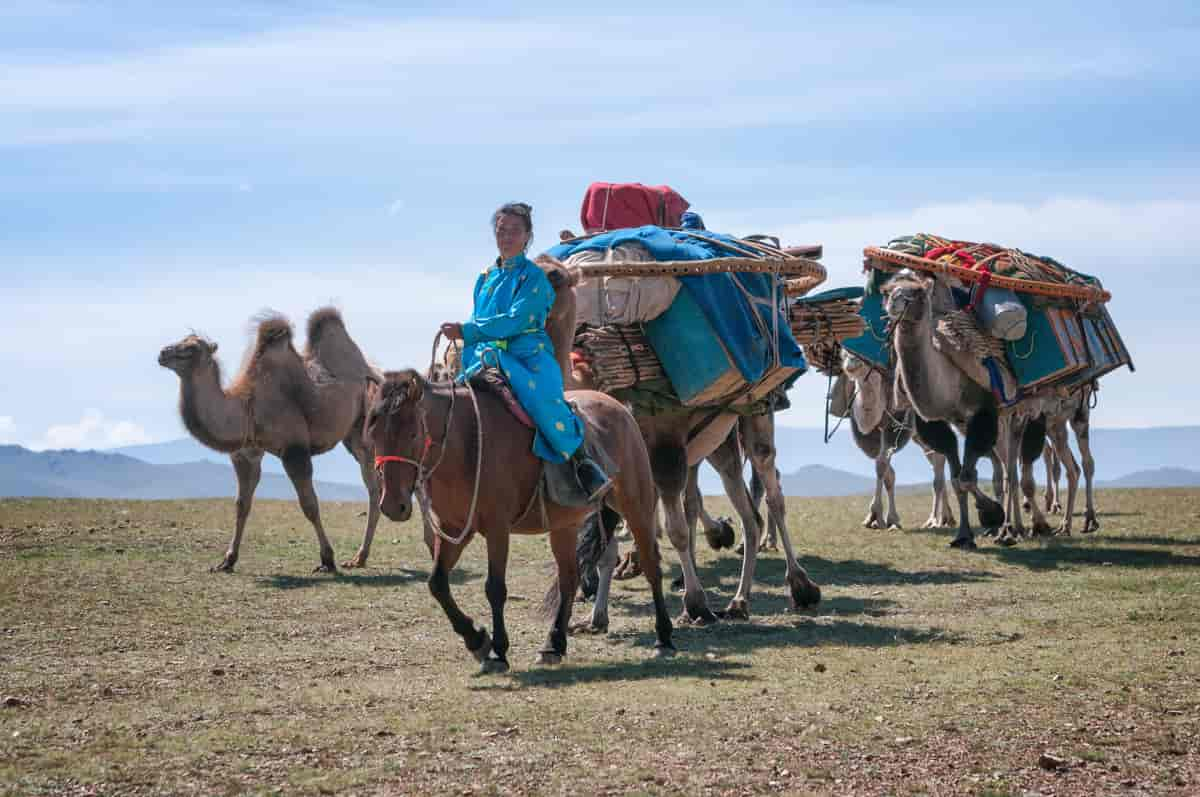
{"points": [[164, 168]]}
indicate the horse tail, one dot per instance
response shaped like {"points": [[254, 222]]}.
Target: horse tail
{"points": [[594, 538]]}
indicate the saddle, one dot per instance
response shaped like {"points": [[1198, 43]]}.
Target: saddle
{"points": [[560, 485]]}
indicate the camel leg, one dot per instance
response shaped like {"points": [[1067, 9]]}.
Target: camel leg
{"points": [[1060, 444], [997, 475], [695, 604], [874, 518], [1081, 425], [297, 462], [1054, 466], [760, 445], [940, 437], [1010, 430], [562, 545], [940, 515], [727, 461], [758, 491], [496, 589], [1033, 444], [247, 466], [476, 638], [982, 435], [718, 532], [597, 623], [370, 478]]}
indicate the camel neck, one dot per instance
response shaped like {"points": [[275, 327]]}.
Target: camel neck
{"points": [[210, 415]]}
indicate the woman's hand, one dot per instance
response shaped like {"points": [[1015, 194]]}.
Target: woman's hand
{"points": [[452, 331]]}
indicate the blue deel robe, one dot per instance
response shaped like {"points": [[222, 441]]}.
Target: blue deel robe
{"points": [[508, 329]]}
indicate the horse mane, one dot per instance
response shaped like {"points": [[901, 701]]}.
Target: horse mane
{"points": [[401, 387], [272, 328]]}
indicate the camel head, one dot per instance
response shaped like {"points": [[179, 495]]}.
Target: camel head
{"points": [[397, 431], [909, 298], [854, 366], [187, 354]]}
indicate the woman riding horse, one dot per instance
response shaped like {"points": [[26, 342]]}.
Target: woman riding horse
{"points": [[507, 330]]}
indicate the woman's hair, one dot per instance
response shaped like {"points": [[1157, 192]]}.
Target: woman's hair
{"points": [[522, 211]]}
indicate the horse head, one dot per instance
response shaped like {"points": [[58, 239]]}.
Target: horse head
{"points": [[396, 429]]}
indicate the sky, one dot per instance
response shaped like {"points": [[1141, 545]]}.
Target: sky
{"points": [[165, 169]]}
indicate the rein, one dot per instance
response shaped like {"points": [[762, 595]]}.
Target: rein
{"points": [[421, 487]]}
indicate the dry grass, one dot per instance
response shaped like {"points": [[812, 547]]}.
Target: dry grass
{"points": [[925, 671]]}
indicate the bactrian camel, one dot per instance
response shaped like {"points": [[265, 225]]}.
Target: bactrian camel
{"points": [[283, 404], [942, 395]]}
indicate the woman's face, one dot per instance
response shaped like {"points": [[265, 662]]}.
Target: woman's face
{"points": [[510, 235]]}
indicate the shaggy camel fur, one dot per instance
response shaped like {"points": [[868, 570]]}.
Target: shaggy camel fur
{"points": [[284, 404]]}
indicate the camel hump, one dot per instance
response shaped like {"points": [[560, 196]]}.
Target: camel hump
{"points": [[272, 328], [559, 275], [320, 319], [330, 348]]}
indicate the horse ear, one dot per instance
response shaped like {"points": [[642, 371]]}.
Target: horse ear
{"points": [[416, 388]]}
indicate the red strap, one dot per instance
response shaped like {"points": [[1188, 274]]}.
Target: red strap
{"points": [[383, 460], [979, 288]]}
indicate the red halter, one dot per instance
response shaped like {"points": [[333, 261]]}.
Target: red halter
{"points": [[418, 464]]}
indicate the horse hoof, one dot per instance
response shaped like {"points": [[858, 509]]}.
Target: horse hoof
{"points": [[226, 566], [738, 609], [546, 658], [357, 563], [326, 567], [490, 666], [481, 653], [663, 652], [963, 543]]}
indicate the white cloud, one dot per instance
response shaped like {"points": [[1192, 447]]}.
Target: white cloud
{"points": [[93, 430], [396, 207]]}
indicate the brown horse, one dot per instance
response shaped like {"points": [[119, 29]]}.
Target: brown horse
{"points": [[474, 463]]}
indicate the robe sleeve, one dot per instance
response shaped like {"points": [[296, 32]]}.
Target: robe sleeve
{"points": [[527, 311]]}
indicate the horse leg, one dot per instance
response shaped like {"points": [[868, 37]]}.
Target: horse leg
{"points": [[639, 507], [370, 478], [1081, 425], [247, 466], [562, 545], [759, 441], [496, 589], [476, 638], [297, 462]]}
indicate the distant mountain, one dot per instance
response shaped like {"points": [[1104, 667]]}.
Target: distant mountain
{"points": [[99, 474], [1157, 477], [333, 466], [812, 481]]}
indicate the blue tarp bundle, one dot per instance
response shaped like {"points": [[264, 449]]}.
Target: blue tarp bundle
{"points": [[739, 325]]}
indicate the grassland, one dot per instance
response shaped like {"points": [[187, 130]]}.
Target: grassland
{"points": [[127, 668]]}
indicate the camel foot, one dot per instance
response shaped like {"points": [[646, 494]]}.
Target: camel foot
{"points": [[804, 594], [720, 536], [481, 653], [1064, 530], [1006, 540], [1090, 523], [628, 568], [963, 543], [700, 618], [1042, 529], [591, 627], [768, 545], [870, 522], [738, 609], [663, 651], [895, 526], [1055, 509], [932, 523], [326, 567], [547, 658], [226, 565], [357, 563], [493, 666]]}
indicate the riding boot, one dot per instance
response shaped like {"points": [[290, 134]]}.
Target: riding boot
{"points": [[592, 478]]}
